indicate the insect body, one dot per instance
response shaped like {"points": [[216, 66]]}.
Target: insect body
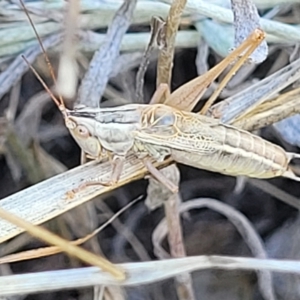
{"points": [[159, 131], [192, 139], [205, 143]]}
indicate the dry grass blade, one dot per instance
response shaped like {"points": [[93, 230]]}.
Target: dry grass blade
{"points": [[18, 67], [138, 273], [64, 245], [41, 252], [222, 14], [240, 104], [270, 112], [96, 14], [47, 199], [95, 80]]}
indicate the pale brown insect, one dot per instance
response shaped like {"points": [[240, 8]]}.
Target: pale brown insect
{"points": [[206, 143], [159, 131]]}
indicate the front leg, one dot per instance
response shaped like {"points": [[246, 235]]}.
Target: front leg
{"points": [[117, 163]]}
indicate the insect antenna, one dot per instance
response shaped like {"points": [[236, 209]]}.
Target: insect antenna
{"points": [[57, 102], [60, 102]]}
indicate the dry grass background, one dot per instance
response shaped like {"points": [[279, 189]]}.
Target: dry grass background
{"points": [[220, 215]]}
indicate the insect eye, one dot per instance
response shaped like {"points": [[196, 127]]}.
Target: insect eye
{"points": [[70, 124], [83, 131]]}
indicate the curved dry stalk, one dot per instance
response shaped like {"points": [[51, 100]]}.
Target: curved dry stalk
{"points": [[242, 225]]}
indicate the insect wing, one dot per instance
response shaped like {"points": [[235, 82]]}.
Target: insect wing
{"points": [[188, 132]]}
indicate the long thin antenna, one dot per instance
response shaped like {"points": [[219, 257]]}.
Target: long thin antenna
{"points": [[60, 105], [46, 59]]}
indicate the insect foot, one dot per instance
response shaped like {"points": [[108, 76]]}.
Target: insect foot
{"points": [[71, 195], [93, 182]]}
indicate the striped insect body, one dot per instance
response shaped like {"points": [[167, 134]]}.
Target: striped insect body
{"points": [[205, 143], [159, 131]]}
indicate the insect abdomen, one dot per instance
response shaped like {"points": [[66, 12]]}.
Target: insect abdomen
{"points": [[239, 153]]}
